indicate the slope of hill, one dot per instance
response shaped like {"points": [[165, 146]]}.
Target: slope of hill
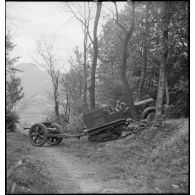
{"points": [[36, 85], [34, 80], [148, 161]]}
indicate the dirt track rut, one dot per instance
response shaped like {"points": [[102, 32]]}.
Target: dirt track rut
{"points": [[71, 175]]}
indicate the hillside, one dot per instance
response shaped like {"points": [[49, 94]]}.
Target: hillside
{"points": [[149, 162], [34, 80], [145, 162], [36, 85]]}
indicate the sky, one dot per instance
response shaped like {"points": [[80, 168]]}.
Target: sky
{"points": [[35, 20]]}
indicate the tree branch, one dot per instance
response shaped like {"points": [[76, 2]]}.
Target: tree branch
{"points": [[86, 25], [117, 19]]}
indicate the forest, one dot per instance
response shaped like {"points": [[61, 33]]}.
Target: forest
{"points": [[141, 52]]}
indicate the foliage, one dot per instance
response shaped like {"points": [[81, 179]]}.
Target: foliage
{"points": [[76, 124], [135, 127], [72, 87], [13, 86], [109, 91], [146, 165], [10, 61], [51, 118], [177, 64], [13, 91], [109, 86], [49, 62], [11, 120]]}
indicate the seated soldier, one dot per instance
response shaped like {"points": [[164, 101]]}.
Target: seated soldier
{"points": [[117, 108], [107, 109], [124, 107]]}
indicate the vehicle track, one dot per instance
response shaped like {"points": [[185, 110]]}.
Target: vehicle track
{"points": [[73, 175]]}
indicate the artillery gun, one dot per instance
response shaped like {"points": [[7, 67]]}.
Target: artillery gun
{"points": [[100, 125]]}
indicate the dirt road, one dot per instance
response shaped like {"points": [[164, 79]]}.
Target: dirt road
{"points": [[71, 174], [121, 166]]}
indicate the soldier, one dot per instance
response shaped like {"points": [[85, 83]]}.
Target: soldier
{"points": [[107, 110], [124, 107], [117, 108]]}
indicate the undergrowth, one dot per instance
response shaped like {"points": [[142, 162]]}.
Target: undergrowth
{"points": [[149, 161], [28, 178]]}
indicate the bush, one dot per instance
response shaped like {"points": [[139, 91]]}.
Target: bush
{"points": [[76, 124], [11, 120], [134, 127], [51, 117]]}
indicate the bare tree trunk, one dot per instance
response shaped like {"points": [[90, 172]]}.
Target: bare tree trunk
{"points": [[45, 51], [161, 85], [124, 77], [80, 85], [55, 81], [145, 53], [95, 55], [167, 91], [56, 108], [67, 106], [85, 70], [84, 19], [123, 66]]}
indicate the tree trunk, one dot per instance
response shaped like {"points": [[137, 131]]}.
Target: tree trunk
{"points": [[85, 70], [123, 66], [161, 85], [56, 105], [124, 77], [95, 55], [67, 105], [167, 91], [55, 81], [80, 85], [56, 109], [144, 62]]}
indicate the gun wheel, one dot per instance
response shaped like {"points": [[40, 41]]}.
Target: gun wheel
{"points": [[150, 116], [55, 140], [38, 134]]}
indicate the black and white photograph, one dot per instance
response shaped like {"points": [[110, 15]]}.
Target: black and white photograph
{"points": [[97, 97]]}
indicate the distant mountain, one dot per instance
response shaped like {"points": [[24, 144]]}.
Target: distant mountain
{"points": [[36, 83], [34, 80]]}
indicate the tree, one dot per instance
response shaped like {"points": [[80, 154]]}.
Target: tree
{"points": [[14, 92], [10, 62], [164, 53], [49, 62], [123, 67], [83, 15], [71, 86], [13, 86], [144, 55], [95, 55], [177, 68], [65, 97]]}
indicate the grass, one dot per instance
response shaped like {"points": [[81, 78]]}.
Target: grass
{"points": [[149, 162], [28, 177]]}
